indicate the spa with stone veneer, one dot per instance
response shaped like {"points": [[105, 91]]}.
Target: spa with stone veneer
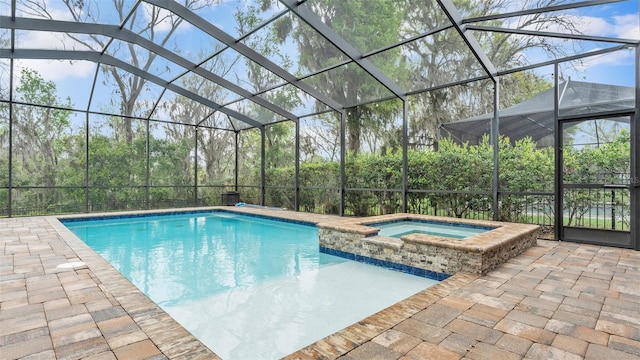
{"points": [[478, 253]]}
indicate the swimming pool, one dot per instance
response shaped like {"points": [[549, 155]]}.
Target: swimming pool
{"points": [[397, 229], [246, 287]]}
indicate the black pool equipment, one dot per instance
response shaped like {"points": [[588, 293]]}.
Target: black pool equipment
{"points": [[230, 198]]}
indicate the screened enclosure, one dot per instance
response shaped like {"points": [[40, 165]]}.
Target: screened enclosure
{"points": [[534, 117], [522, 111]]}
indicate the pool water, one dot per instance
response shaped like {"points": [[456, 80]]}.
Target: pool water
{"points": [[398, 229], [247, 287]]}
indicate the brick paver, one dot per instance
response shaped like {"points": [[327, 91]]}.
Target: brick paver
{"points": [[432, 351], [569, 302], [47, 312], [514, 344], [557, 300], [570, 344], [541, 351], [397, 341]]}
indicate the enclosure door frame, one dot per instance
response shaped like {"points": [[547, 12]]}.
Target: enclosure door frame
{"points": [[626, 239]]}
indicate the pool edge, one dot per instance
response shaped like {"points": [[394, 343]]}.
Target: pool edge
{"points": [[349, 338], [176, 342], [171, 338]]}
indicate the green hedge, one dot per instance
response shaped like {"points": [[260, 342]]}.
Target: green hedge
{"points": [[452, 172]]}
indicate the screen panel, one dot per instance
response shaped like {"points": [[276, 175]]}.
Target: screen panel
{"points": [[117, 152], [598, 84]]}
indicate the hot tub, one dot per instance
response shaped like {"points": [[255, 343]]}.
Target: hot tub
{"points": [[397, 229], [405, 240]]}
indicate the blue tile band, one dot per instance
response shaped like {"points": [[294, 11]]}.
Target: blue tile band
{"points": [[433, 275], [89, 217], [63, 220]]}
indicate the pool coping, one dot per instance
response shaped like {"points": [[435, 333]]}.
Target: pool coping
{"points": [[174, 341]]}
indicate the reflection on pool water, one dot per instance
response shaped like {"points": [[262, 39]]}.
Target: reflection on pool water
{"points": [[247, 287]]}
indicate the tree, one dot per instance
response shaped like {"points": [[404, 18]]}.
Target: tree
{"points": [[444, 58], [356, 21], [158, 25], [39, 130], [320, 138], [596, 164], [597, 132], [4, 68], [279, 137]]}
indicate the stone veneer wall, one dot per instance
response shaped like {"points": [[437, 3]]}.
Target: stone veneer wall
{"points": [[492, 258], [448, 260]]}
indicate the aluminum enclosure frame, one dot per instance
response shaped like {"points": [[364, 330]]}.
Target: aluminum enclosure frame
{"points": [[462, 27]]}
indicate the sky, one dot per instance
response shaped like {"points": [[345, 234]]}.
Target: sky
{"points": [[619, 20]]}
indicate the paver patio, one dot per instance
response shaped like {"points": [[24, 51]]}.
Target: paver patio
{"points": [[557, 300]]}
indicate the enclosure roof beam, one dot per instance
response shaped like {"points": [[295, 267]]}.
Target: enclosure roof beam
{"points": [[243, 49], [553, 34], [524, 68], [539, 10], [456, 19], [110, 60], [455, 83], [116, 32], [328, 33], [563, 59], [365, 55], [101, 113], [407, 40]]}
